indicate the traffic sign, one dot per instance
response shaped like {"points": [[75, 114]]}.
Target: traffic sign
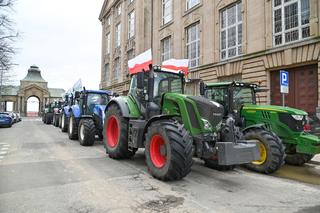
{"points": [[284, 81]]}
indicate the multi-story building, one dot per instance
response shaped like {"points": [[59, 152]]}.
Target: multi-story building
{"points": [[231, 40]]}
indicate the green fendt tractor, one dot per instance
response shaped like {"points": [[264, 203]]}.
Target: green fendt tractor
{"points": [[289, 124], [47, 114], [172, 127]]}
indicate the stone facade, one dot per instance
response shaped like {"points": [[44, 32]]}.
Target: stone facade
{"points": [[260, 54], [33, 85]]}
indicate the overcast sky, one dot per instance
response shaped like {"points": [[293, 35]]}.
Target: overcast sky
{"points": [[63, 38]]}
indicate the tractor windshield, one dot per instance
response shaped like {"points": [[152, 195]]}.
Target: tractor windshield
{"points": [[166, 82], [241, 96], [218, 94]]}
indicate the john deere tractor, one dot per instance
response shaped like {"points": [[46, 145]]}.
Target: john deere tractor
{"points": [[87, 115], [289, 124], [172, 127]]}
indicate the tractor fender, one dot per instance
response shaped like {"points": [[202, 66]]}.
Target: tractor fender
{"points": [[76, 111], [66, 111], [122, 105], [156, 118], [255, 126]]}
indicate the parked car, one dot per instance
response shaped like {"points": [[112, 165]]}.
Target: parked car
{"points": [[18, 116], [5, 119], [13, 116]]}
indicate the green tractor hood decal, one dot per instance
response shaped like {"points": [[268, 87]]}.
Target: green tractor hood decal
{"points": [[253, 108]]}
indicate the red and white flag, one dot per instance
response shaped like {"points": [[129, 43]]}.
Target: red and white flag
{"points": [[140, 62], [176, 65]]}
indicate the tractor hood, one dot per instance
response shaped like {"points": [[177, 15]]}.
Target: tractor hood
{"points": [[275, 108]]}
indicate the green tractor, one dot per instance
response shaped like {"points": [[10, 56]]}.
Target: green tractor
{"points": [[48, 111], [172, 127], [289, 124]]}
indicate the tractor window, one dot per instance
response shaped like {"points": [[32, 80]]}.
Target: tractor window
{"points": [[166, 82], [219, 95], [97, 99], [242, 95]]}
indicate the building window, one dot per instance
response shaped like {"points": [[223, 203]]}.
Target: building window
{"points": [[118, 35], [118, 9], [106, 72], [108, 43], [116, 68], [193, 45], [109, 20], [130, 1], [131, 24], [231, 31], [130, 54], [290, 21], [192, 3], [166, 48], [166, 11]]}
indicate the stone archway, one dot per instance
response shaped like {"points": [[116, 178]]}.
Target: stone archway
{"points": [[33, 106]]}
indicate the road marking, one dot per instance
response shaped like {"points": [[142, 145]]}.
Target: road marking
{"points": [[4, 148], [3, 153], [1, 157]]}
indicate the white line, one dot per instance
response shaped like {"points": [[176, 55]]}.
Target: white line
{"points": [[1, 157], [3, 153], [4, 148], [6, 145]]}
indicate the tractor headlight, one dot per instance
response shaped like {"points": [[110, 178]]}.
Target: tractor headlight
{"points": [[206, 124], [297, 117]]}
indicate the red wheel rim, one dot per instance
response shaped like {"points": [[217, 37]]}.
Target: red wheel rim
{"points": [[112, 131], [158, 151]]}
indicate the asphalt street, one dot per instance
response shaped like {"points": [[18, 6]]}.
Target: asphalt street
{"points": [[41, 170]]}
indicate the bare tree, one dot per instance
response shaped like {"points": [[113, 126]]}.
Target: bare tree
{"points": [[8, 36]]}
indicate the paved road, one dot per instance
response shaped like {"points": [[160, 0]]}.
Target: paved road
{"points": [[41, 170]]}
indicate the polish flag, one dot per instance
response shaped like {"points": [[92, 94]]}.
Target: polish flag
{"points": [[176, 65], [140, 62]]}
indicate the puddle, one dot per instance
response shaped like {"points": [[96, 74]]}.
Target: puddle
{"points": [[308, 173]]}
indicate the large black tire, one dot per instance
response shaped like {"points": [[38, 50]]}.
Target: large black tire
{"points": [[168, 150], [64, 123], [60, 121], [115, 134], [274, 151], [213, 164], [72, 128], [298, 159], [87, 132], [48, 119]]}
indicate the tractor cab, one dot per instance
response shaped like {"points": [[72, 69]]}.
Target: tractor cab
{"points": [[89, 99], [148, 88]]}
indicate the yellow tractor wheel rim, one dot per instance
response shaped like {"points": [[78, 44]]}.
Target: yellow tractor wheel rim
{"points": [[263, 155]]}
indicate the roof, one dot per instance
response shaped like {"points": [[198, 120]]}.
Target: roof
{"points": [[103, 9], [56, 92], [229, 83], [34, 74], [10, 90], [107, 92]]}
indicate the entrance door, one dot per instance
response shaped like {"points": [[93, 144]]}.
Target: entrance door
{"points": [[303, 88]]}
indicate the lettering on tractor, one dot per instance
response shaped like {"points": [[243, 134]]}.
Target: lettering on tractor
{"points": [[171, 126]]}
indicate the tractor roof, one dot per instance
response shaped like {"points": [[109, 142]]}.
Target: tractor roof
{"points": [[232, 83], [102, 92]]}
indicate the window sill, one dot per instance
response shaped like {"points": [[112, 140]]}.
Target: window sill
{"points": [[166, 25], [190, 10]]}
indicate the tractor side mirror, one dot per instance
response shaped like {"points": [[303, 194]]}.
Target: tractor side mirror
{"points": [[140, 80], [77, 94], [202, 88]]}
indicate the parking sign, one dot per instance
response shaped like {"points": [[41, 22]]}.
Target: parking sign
{"points": [[284, 81]]}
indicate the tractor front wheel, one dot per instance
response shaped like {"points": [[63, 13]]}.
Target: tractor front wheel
{"points": [[87, 132], [168, 150], [73, 128], [64, 123], [115, 134], [272, 152], [298, 159]]}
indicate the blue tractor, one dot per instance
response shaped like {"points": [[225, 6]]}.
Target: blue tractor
{"points": [[87, 115], [65, 112]]}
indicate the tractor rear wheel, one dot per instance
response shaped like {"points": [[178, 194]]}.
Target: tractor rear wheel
{"points": [[60, 119], [48, 119], [298, 159], [168, 150], [64, 123], [213, 164], [87, 132], [115, 134], [72, 128], [272, 151]]}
